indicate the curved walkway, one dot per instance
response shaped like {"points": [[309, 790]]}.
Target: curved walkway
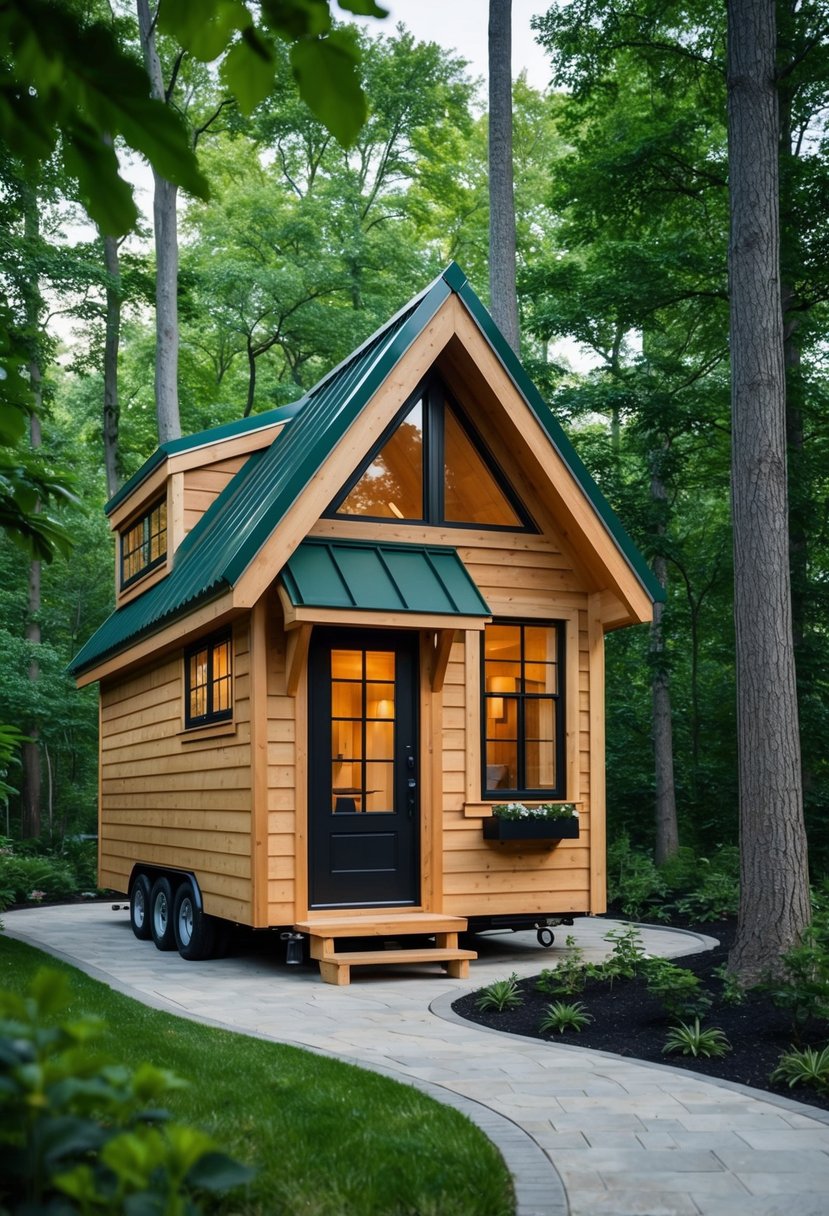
{"points": [[625, 1138]]}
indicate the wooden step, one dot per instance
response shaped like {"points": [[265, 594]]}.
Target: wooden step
{"points": [[395, 924], [335, 967]]}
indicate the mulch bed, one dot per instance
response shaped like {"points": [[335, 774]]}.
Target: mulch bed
{"points": [[630, 1022]]}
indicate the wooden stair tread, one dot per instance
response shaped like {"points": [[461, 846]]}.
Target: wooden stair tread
{"points": [[384, 925], [356, 958]]}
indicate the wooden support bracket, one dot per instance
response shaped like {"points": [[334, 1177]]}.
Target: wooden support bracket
{"points": [[296, 656], [440, 657]]}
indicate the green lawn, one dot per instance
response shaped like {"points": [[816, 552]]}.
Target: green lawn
{"points": [[328, 1139]]}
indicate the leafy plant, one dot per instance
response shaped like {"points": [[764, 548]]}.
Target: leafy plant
{"points": [[806, 1066], [571, 974], [678, 989], [500, 995], [803, 987], [559, 1016], [687, 1040], [81, 1134], [733, 993], [628, 958], [633, 881], [20, 876], [545, 810], [716, 898]]}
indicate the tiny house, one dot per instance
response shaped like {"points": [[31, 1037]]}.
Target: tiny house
{"points": [[344, 631]]}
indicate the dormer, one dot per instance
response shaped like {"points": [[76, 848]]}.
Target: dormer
{"points": [[153, 512]]}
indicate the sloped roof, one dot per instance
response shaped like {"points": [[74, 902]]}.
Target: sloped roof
{"points": [[379, 577], [214, 554]]}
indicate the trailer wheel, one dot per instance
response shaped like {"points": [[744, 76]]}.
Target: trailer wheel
{"points": [[140, 908], [161, 914], [545, 936], [195, 932]]}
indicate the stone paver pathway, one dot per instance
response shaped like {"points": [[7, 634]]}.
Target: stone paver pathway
{"points": [[624, 1138]]}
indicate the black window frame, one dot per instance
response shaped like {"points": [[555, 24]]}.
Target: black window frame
{"points": [[435, 395], [559, 791], [211, 716], [143, 521]]}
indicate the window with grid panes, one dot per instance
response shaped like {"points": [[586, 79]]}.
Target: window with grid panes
{"points": [[523, 710], [144, 543], [208, 679]]}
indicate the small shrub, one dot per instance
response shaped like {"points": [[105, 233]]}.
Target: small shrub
{"points": [[627, 959], [633, 881], [19, 875], [569, 976], [733, 993], [500, 995], [679, 991], [80, 1134], [559, 1017], [807, 1066], [716, 898], [696, 1041], [803, 987]]}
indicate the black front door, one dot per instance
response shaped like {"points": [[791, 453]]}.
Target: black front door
{"points": [[363, 769]]}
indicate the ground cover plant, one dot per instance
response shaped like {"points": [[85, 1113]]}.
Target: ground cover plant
{"points": [[326, 1138], [778, 1034]]}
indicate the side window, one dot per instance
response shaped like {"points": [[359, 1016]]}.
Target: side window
{"points": [[144, 543], [523, 710], [208, 680]]}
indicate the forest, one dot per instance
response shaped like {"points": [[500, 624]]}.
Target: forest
{"points": [[291, 241]]}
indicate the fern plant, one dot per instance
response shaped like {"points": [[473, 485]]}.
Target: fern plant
{"points": [[560, 1016], [695, 1040], [500, 995], [808, 1067]]}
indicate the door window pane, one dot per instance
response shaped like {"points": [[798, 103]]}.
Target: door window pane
{"points": [[379, 700], [347, 664], [346, 740], [380, 786], [379, 740], [379, 664], [346, 699]]}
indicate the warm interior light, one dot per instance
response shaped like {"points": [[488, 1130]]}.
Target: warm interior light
{"points": [[499, 684], [385, 709], [395, 510]]}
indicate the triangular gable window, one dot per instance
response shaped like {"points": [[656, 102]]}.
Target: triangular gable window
{"points": [[431, 468]]}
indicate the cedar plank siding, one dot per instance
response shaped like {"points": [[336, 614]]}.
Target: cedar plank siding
{"points": [[172, 800], [203, 486], [282, 781]]}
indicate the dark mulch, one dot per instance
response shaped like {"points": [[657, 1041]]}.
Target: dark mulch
{"points": [[630, 1022]]}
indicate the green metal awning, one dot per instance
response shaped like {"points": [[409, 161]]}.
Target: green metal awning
{"points": [[376, 577]]}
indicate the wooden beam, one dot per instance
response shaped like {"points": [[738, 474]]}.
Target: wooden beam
{"points": [[440, 656], [259, 765], [598, 818], [297, 642]]}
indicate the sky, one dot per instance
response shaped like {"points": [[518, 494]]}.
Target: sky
{"points": [[461, 25]]}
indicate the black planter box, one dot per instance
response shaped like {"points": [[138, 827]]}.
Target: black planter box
{"points": [[496, 828]]}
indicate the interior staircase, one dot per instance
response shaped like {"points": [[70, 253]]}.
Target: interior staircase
{"points": [[387, 933]]}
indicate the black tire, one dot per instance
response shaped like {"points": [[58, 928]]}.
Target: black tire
{"points": [[161, 914], [140, 908], [195, 932]]}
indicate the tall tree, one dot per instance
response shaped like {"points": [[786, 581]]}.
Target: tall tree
{"points": [[774, 902], [502, 289]]}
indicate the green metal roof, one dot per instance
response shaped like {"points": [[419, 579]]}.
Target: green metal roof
{"points": [[381, 578], [232, 531]]}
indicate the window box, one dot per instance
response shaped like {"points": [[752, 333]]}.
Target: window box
{"points": [[566, 828]]}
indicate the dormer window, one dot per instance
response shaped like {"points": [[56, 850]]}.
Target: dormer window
{"points": [[144, 543], [431, 467]]}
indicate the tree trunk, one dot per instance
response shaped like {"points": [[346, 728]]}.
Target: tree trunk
{"points": [[502, 292], [774, 897], [667, 831], [165, 223], [112, 411]]}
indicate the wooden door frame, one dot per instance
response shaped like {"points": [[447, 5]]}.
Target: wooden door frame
{"points": [[430, 709]]}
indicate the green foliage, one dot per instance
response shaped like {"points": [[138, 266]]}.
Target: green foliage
{"points": [[500, 995], [77, 1126], [633, 881], [802, 987], [733, 992], [627, 958], [10, 739], [803, 1067], [569, 976], [678, 989], [696, 1041], [27, 879], [716, 898], [560, 1017]]}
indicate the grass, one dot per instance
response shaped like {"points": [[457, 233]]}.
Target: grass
{"points": [[327, 1138]]}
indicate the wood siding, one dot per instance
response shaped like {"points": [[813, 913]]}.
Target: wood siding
{"points": [[175, 798], [203, 486]]}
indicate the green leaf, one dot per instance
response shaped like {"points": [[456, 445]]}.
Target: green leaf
{"points": [[159, 133], [107, 197], [217, 1172], [326, 72], [248, 72], [292, 19], [363, 8], [50, 989], [203, 27]]}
